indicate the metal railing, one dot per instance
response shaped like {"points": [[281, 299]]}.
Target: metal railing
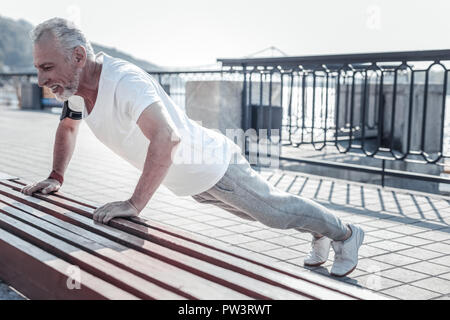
{"points": [[388, 106]]}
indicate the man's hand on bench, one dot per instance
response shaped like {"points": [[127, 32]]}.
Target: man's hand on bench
{"points": [[113, 210], [46, 186]]}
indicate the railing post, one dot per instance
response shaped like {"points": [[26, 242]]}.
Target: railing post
{"points": [[245, 112]]}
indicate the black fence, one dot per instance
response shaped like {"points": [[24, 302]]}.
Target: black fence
{"points": [[388, 106]]}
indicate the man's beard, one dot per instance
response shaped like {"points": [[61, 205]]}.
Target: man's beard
{"points": [[71, 88]]}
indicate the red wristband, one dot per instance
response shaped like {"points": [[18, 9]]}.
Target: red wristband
{"points": [[55, 175]]}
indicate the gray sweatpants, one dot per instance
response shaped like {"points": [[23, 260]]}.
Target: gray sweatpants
{"points": [[245, 193]]}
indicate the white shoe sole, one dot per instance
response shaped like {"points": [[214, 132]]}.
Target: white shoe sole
{"points": [[345, 274], [313, 264]]}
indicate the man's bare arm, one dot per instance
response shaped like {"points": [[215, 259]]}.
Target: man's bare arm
{"points": [[158, 127], [65, 141], [157, 164], [156, 124]]}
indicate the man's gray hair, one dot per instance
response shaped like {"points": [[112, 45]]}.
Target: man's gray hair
{"points": [[66, 33]]}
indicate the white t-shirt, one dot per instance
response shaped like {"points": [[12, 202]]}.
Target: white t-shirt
{"points": [[125, 91]]}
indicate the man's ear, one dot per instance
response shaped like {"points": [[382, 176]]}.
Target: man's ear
{"points": [[80, 56]]}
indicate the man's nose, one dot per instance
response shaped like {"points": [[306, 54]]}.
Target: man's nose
{"points": [[42, 81]]}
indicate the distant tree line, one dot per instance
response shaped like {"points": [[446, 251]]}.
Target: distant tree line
{"points": [[16, 48], [15, 45]]}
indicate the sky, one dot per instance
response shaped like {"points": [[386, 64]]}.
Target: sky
{"points": [[192, 33]]}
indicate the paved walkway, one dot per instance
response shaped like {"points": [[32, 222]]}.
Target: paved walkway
{"points": [[407, 246]]}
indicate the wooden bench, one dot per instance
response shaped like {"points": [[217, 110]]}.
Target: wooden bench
{"points": [[49, 244]]}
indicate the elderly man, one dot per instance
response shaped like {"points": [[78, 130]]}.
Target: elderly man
{"points": [[130, 113]]}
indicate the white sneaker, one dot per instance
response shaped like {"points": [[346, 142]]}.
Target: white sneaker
{"points": [[320, 249], [346, 253]]}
